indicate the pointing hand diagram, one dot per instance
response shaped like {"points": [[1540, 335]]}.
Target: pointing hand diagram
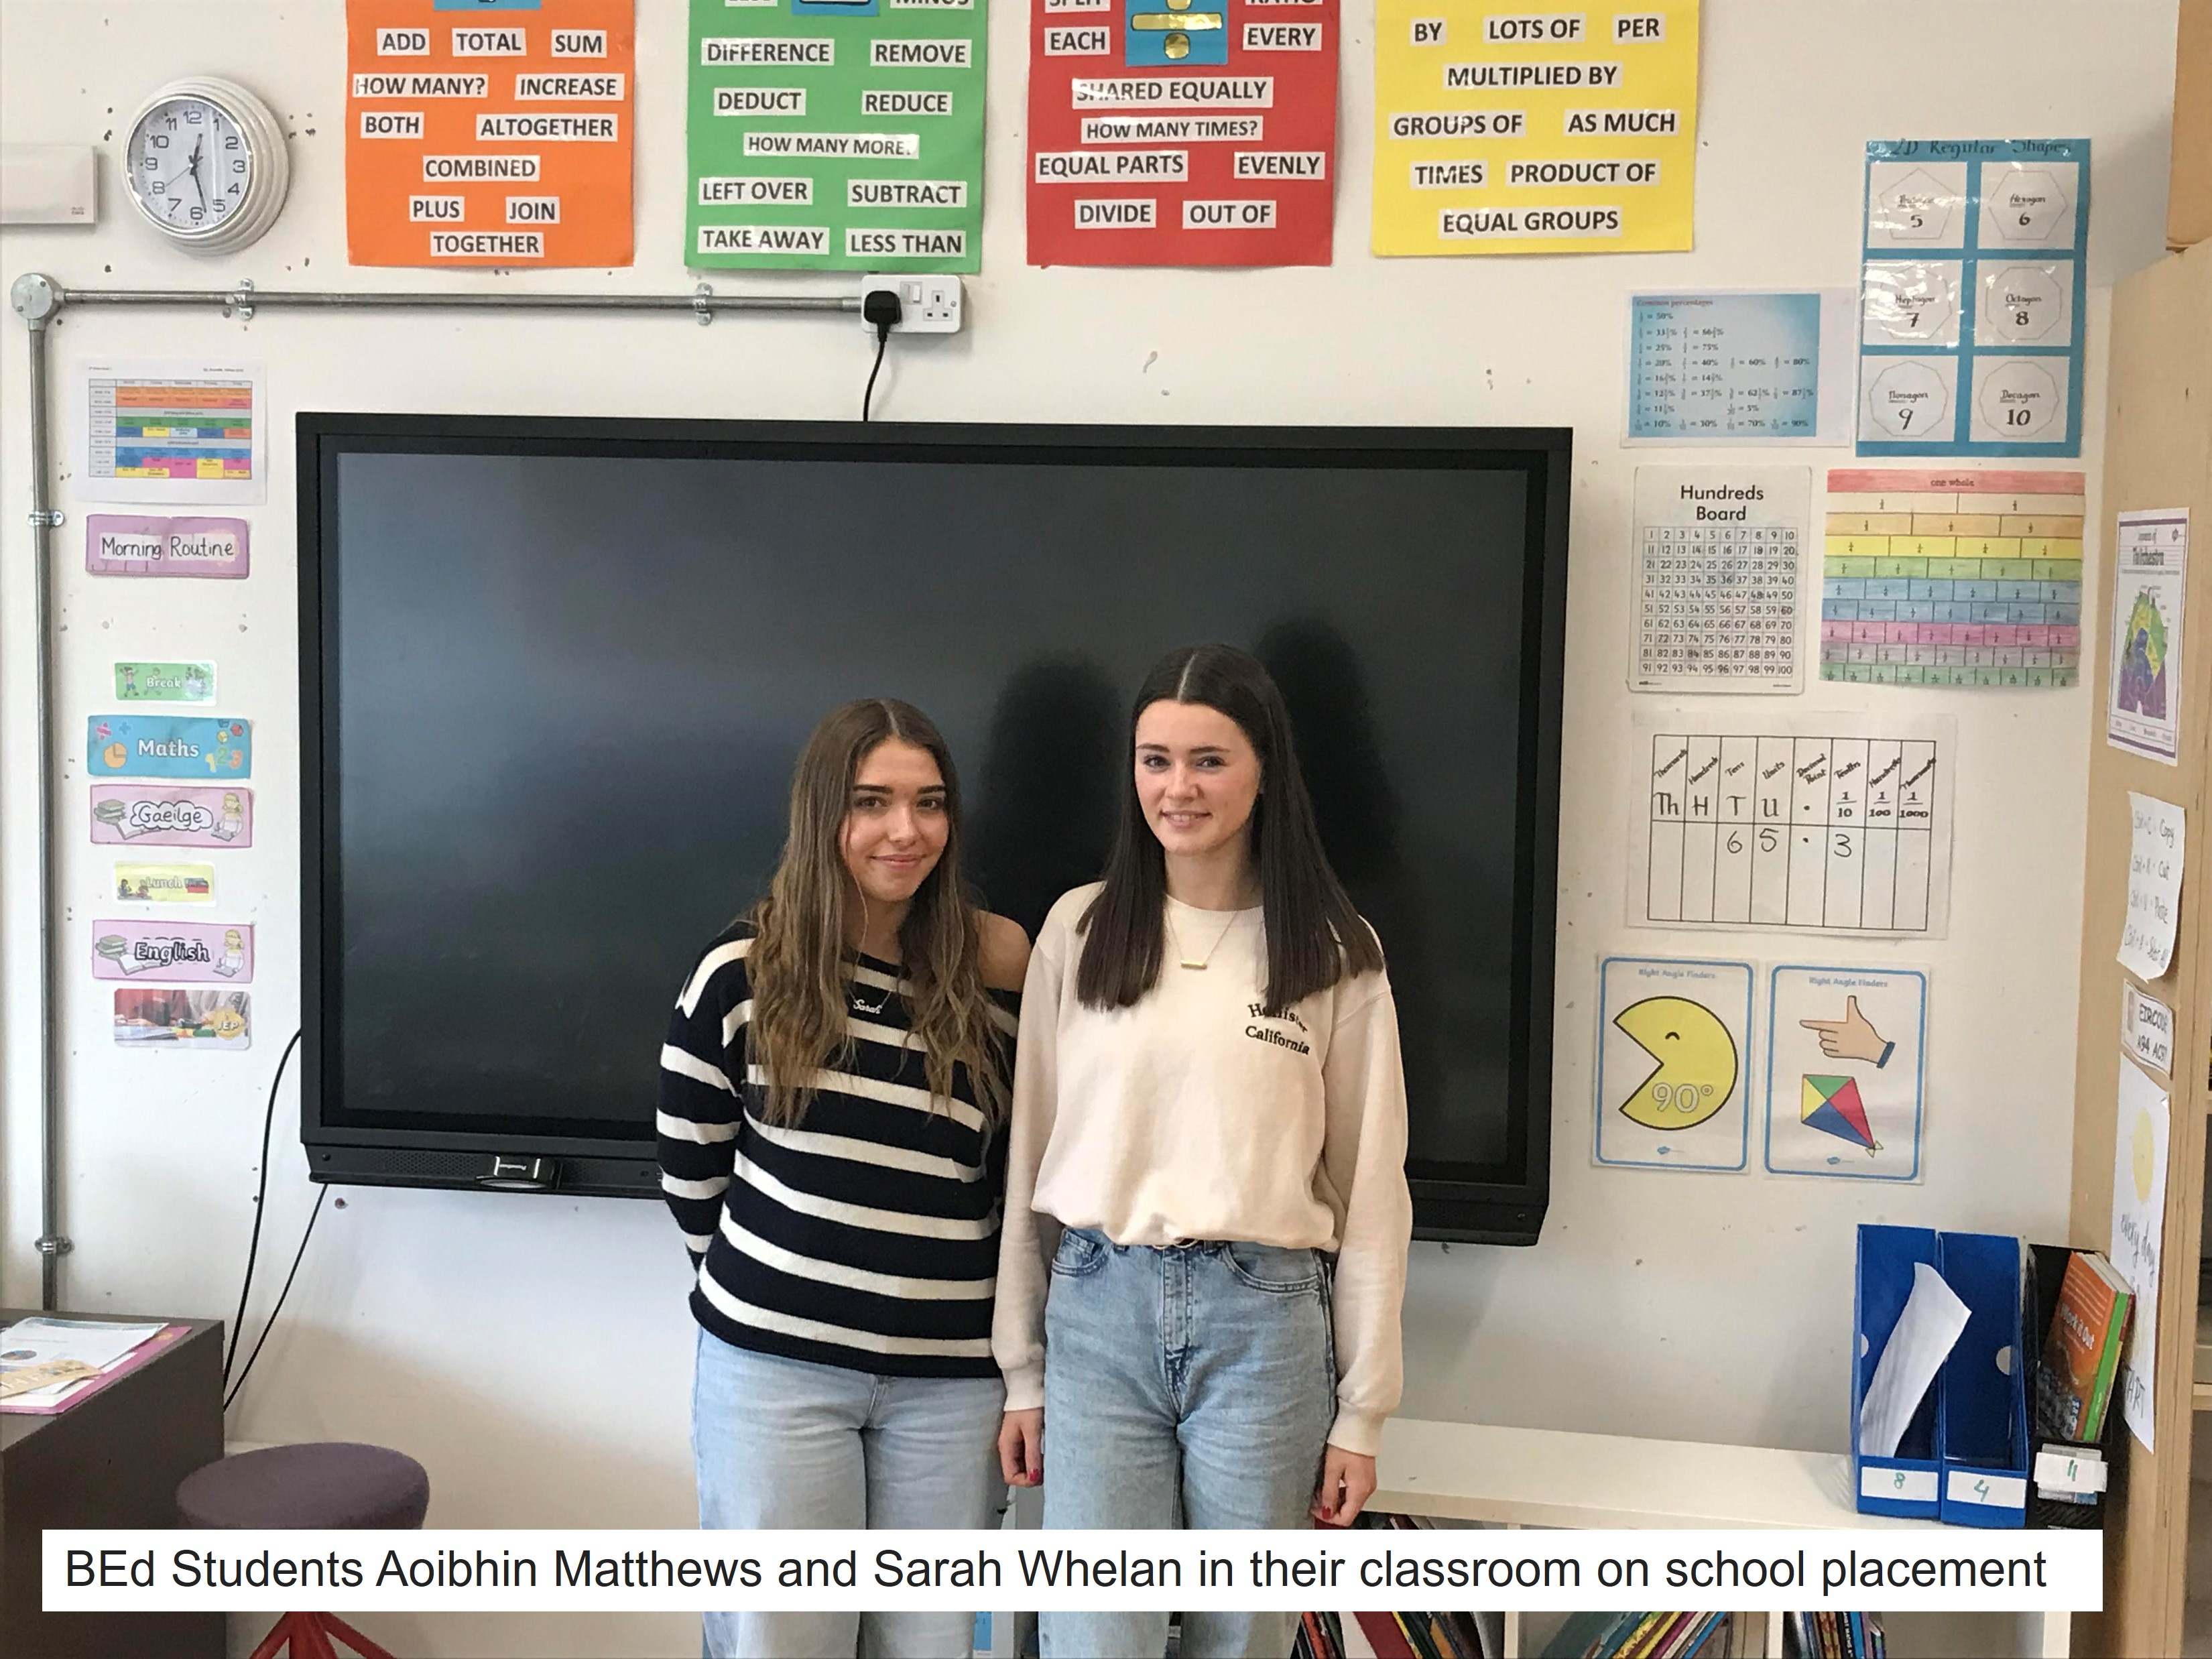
{"points": [[1851, 1037]]}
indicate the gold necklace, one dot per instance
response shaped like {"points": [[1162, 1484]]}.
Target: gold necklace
{"points": [[1184, 956]]}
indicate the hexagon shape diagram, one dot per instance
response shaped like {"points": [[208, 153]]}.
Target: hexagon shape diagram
{"points": [[2026, 202]]}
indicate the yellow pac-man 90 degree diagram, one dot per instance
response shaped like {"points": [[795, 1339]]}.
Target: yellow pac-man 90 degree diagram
{"points": [[1697, 1062]]}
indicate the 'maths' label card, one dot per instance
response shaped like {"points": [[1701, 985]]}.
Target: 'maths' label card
{"points": [[168, 746]]}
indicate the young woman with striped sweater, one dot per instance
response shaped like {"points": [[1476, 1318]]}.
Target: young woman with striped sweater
{"points": [[834, 1096]]}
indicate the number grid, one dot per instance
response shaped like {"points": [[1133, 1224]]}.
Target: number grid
{"points": [[1719, 601]]}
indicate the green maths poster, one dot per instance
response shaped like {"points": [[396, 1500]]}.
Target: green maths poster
{"points": [[835, 135]]}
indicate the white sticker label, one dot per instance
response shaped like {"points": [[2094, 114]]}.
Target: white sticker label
{"points": [[1177, 92], [391, 124], [816, 51], [764, 238], [430, 209], [581, 89], [1513, 77], [533, 209], [1460, 123], [1640, 172], [2003, 1492], [2071, 1471], [1282, 37], [402, 43], [906, 192], [1282, 164], [760, 100], [790, 191], [917, 101], [1622, 122], [1174, 129], [877, 146], [1092, 41], [374, 85], [490, 43], [560, 129], [1899, 1485], [2146, 1029], [1059, 167], [507, 169], [1428, 31], [1079, 5], [1123, 213], [1228, 216], [1638, 26], [487, 244], [579, 43], [880, 243], [1451, 176], [919, 54]]}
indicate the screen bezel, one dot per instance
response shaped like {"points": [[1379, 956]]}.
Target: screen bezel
{"points": [[1450, 1201]]}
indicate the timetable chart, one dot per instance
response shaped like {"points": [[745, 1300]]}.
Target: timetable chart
{"points": [[144, 428], [1953, 578]]}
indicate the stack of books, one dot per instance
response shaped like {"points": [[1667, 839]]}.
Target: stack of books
{"points": [[1654, 1636], [2081, 1352], [1832, 1636], [1395, 1636]]}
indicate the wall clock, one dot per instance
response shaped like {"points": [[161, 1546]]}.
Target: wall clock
{"points": [[206, 165]]}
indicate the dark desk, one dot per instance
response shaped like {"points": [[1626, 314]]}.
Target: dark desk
{"points": [[112, 1461]]}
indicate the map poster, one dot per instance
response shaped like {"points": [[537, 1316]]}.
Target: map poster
{"points": [[490, 135], [1674, 1052], [835, 135], [1534, 131], [1183, 132], [2150, 560]]}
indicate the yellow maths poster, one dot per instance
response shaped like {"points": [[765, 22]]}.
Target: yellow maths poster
{"points": [[1502, 132]]}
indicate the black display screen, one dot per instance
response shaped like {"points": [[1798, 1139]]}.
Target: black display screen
{"points": [[561, 678]]}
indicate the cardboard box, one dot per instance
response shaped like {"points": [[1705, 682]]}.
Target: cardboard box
{"points": [[2188, 203]]}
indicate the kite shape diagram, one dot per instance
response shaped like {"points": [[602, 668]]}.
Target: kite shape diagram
{"points": [[1832, 1105], [1673, 1045]]}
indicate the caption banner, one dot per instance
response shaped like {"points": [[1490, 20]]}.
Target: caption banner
{"points": [[512, 1569]]}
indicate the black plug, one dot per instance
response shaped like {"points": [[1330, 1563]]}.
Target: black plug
{"points": [[881, 307]]}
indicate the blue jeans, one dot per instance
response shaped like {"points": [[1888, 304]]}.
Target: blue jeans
{"points": [[782, 1442], [1192, 1386]]}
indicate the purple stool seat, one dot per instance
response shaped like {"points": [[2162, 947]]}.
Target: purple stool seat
{"points": [[324, 1483]]}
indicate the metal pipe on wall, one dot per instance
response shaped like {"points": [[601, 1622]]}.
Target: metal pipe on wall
{"points": [[37, 299]]}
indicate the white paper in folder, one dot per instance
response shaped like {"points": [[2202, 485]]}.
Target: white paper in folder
{"points": [[1926, 1332]]}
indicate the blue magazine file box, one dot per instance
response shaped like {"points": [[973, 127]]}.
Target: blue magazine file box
{"points": [[1982, 1416], [1908, 1484]]}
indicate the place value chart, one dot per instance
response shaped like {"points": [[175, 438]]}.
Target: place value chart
{"points": [[1182, 132], [835, 135], [1959, 578], [1807, 826]]}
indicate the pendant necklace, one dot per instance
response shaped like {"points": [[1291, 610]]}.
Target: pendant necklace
{"points": [[853, 994], [1184, 956]]}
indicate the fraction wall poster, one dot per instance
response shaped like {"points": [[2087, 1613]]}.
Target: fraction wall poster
{"points": [[1183, 132], [489, 134], [1536, 131], [835, 135]]}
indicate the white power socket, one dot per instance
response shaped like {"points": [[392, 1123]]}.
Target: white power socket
{"points": [[927, 305]]}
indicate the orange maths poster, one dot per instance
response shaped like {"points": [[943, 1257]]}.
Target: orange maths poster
{"points": [[489, 132]]}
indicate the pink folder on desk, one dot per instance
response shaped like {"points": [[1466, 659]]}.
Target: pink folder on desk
{"points": [[92, 1385]]}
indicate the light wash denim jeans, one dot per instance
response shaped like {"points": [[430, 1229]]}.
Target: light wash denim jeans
{"points": [[1192, 1386], [782, 1442]]}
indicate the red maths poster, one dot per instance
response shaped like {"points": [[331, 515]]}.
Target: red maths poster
{"points": [[1182, 132]]}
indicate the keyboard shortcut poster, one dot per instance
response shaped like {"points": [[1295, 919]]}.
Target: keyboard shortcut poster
{"points": [[1505, 132], [835, 135], [1182, 132], [490, 136]]}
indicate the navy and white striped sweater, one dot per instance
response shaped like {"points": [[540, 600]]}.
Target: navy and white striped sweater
{"points": [[868, 1236]]}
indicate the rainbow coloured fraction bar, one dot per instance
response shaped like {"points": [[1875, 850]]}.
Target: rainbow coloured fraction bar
{"points": [[148, 428], [1952, 578]]}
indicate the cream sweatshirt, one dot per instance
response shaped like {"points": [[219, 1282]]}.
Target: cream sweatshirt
{"points": [[1191, 1115]]}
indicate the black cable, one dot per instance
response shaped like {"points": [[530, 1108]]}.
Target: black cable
{"points": [[239, 1387], [260, 1194], [883, 339]]}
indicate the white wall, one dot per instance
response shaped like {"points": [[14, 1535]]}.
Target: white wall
{"points": [[535, 1352]]}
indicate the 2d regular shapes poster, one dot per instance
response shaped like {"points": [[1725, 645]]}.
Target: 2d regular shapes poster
{"points": [[835, 135], [1534, 132], [1182, 132], [490, 134]]}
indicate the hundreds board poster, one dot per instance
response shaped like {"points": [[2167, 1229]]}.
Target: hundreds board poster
{"points": [[489, 135], [835, 135], [1182, 132]]}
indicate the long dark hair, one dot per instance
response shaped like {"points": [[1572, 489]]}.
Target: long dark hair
{"points": [[1314, 937], [797, 964]]}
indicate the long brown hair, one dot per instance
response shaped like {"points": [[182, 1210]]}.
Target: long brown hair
{"points": [[798, 963], [1315, 936]]}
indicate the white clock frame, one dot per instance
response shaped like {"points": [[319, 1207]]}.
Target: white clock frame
{"points": [[268, 176]]}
